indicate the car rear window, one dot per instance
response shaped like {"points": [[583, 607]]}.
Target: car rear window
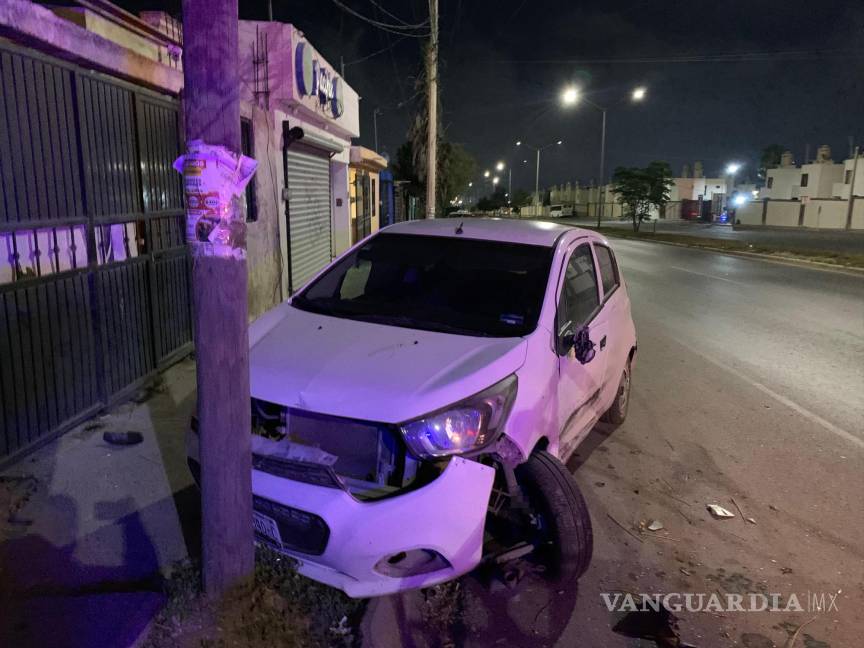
{"points": [[449, 284], [608, 268]]}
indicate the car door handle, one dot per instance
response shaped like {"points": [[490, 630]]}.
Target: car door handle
{"points": [[603, 342]]}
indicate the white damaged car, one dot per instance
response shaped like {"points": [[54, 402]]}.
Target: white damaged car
{"points": [[413, 405]]}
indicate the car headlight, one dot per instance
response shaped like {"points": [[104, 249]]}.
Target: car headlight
{"points": [[463, 427]]}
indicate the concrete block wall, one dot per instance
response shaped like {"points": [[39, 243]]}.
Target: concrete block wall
{"points": [[783, 213], [750, 213], [825, 214]]}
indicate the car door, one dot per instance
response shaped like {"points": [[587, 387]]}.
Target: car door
{"points": [[580, 384], [614, 312]]}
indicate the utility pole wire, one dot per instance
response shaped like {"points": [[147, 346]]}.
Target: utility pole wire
{"points": [[394, 17], [389, 27]]}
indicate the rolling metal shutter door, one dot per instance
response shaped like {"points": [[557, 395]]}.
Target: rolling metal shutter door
{"points": [[309, 214]]}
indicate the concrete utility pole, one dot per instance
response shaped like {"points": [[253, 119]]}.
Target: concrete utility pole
{"points": [[212, 114], [375, 114], [602, 168], [850, 205], [432, 130]]}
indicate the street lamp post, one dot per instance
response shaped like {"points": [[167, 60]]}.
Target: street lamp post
{"points": [[537, 169], [731, 169], [571, 96]]}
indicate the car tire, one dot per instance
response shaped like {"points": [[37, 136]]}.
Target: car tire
{"points": [[563, 519], [617, 412]]}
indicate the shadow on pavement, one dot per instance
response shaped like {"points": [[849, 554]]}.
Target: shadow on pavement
{"points": [[49, 597]]}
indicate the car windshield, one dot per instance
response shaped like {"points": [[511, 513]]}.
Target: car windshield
{"points": [[448, 284]]}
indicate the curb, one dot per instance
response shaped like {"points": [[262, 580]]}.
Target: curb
{"points": [[814, 265]]}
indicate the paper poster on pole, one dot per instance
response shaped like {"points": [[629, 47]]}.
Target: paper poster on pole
{"points": [[214, 179]]}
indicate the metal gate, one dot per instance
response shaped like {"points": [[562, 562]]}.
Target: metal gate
{"points": [[308, 174], [94, 276], [363, 205]]}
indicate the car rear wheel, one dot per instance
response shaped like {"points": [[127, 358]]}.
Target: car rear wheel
{"points": [[560, 522], [617, 412]]}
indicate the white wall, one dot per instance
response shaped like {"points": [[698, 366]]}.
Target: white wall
{"points": [[820, 179], [785, 183], [825, 214], [750, 213], [858, 212], [783, 213]]}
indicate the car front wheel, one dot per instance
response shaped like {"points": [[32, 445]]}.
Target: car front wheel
{"points": [[560, 521]]}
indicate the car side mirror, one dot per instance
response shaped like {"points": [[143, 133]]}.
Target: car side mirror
{"points": [[579, 340], [583, 346]]}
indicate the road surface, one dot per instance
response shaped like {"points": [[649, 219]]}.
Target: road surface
{"points": [[851, 242], [749, 385]]}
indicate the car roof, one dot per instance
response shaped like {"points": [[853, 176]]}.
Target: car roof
{"points": [[506, 230]]}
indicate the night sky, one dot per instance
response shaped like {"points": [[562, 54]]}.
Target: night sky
{"points": [[503, 64]]}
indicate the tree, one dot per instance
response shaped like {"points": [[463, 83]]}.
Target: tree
{"points": [[640, 189], [456, 167], [770, 158], [521, 198], [496, 200]]}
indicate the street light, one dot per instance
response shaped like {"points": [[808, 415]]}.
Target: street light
{"points": [[495, 180], [537, 151], [570, 96], [470, 184], [731, 169], [486, 174], [499, 166]]}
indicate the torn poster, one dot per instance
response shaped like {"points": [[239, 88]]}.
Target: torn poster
{"points": [[214, 179]]}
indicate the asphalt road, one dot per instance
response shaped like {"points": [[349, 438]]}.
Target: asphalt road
{"points": [[749, 385], [851, 242]]}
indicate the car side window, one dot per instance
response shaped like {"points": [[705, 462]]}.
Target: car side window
{"points": [[608, 268], [579, 295]]}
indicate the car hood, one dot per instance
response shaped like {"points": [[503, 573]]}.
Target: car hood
{"points": [[371, 371]]}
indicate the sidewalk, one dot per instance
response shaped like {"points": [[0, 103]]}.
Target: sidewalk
{"points": [[80, 561]]}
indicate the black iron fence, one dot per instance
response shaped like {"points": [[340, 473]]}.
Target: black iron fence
{"points": [[94, 273]]}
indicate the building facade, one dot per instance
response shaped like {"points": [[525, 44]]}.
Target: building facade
{"points": [[95, 273], [365, 191]]}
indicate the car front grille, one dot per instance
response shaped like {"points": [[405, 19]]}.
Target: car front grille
{"points": [[299, 530]]}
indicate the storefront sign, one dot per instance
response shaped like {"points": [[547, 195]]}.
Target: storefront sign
{"points": [[315, 80]]}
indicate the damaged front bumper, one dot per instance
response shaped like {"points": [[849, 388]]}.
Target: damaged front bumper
{"points": [[416, 538]]}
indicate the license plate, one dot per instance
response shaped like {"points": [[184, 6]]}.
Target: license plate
{"points": [[266, 527]]}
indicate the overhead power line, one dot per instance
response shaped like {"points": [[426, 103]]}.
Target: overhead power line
{"points": [[393, 28], [730, 57], [397, 18], [380, 51]]}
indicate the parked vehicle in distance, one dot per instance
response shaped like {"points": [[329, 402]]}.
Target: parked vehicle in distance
{"points": [[414, 404], [556, 211], [459, 213]]}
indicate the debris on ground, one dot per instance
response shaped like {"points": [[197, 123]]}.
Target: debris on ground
{"points": [[744, 517], [15, 492], [655, 525], [278, 607], [123, 438], [660, 626], [719, 512]]}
